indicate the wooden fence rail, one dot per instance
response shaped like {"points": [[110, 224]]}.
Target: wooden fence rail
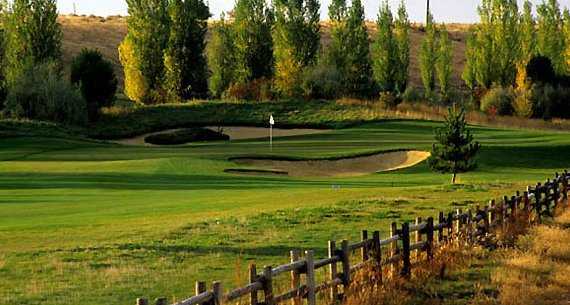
{"points": [[461, 227]]}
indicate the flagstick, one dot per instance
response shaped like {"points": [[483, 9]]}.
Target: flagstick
{"points": [[271, 137]]}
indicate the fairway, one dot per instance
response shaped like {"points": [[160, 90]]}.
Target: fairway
{"points": [[85, 222]]}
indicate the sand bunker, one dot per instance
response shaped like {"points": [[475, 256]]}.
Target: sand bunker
{"points": [[348, 167], [235, 133]]}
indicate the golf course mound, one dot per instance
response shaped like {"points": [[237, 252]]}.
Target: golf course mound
{"points": [[342, 167], [234, 133]]}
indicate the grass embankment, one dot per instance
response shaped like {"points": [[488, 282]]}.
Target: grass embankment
{"points": [[92, 223]]}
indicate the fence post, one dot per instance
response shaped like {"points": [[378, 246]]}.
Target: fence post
{"points": [[429, 238], [268, 286], [332, 272], [407, 266], [538, 204], [469, 226], [345, 264], [218, 291], [142, 301], [310, 276], [486, 221], [458, 225], [440, 221], [253, 279], [555, 190], [514, 207], [377, 254], [364, 250], [450, 228], [418, 238], [506, 205], [393, 247], [526, 205], [565, 186], [160, 301], [295, 278]]}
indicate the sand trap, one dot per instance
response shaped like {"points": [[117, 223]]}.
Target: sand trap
{"points": [[235, 133], [348, 167]]}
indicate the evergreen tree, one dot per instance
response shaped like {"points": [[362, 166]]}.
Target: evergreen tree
{"points": [[252, 39], [527, 34], [550, 42], [402, 35], [385, 51], [186, 71], [444, 62], [296, 38], [142, 51], [358, 70], [455, 150], [428, 57], [32, 36], [221, 57]]}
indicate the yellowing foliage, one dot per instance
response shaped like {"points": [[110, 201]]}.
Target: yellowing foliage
{"points": [[522, 103], [136, 86]]}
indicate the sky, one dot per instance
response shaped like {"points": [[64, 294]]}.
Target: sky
{"points": [[463, 11]]}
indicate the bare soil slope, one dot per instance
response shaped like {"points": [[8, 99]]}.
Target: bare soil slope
{"points": [[106, 34]]}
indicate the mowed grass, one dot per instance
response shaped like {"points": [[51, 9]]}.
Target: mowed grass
{"points": [[98, 223]]}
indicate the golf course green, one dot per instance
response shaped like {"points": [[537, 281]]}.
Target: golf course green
{"points": [[93, 222]]}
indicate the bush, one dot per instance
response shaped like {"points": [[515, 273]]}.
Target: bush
{"points": [[96, 79], [255, 90], [412, 95], [550, 101], [498, 100], [388, 100], [322, 81], [523, 103], [184, 136], [40, 93]]}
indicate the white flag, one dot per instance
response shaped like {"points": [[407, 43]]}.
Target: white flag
{"points": [[271, 121]]}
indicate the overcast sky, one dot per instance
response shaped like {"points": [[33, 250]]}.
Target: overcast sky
{"points": [[443, 10]]}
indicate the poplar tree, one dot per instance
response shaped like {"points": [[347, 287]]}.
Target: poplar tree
{"points": [[469, 74], [296, 38], [337, 48], [186, 71], [252, 39], [221, 57], [444, 62], [455, 149], [550, 42], [527, 34], [33, 35], [358, 70], [566, 33], [402, 35], [428, 57], [385, 51], [142, 50]]}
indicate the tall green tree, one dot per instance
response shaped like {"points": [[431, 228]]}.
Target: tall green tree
{"points": [[527, 33], [186, 69], [402, 35], [455, 149], [428, 57], [253, 21], [444, 62], [142, 51], [469, 74], [359, 80], [385, 51], [296, 38], [335, 53], [221, 57], [550, 42], [32, 35], [3, 13]]}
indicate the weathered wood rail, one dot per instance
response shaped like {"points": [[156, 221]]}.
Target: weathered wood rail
{"points": [[405, 245]]}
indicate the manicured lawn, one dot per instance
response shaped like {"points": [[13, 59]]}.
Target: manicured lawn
{"points": [[98, 223]]}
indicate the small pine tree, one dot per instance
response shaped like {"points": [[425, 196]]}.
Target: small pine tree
{"points": [[402, 35], [186, 71], [385, 51], [221, 60], [359, 76], [455, 150], [428, 57], [253, 43], [444, 62]]}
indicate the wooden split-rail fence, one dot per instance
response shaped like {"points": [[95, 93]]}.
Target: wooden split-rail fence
{"points": [[397, 252]]}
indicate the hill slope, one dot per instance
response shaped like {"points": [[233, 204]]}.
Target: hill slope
{"points": [[106, 34]]}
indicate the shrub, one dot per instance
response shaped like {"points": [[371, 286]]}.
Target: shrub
{"points": [[498, 99], [184, 136], [388, 100], [96, 79], [411, 95], [523, 104], [255, 90], [40, 93], [550, 101], [322, 81]]}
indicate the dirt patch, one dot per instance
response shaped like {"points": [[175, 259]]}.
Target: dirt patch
{"points": [[348, 167], [235, 133]]}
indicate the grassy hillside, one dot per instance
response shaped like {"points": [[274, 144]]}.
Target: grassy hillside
{"points": [[106, 34], [96, 223]]}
